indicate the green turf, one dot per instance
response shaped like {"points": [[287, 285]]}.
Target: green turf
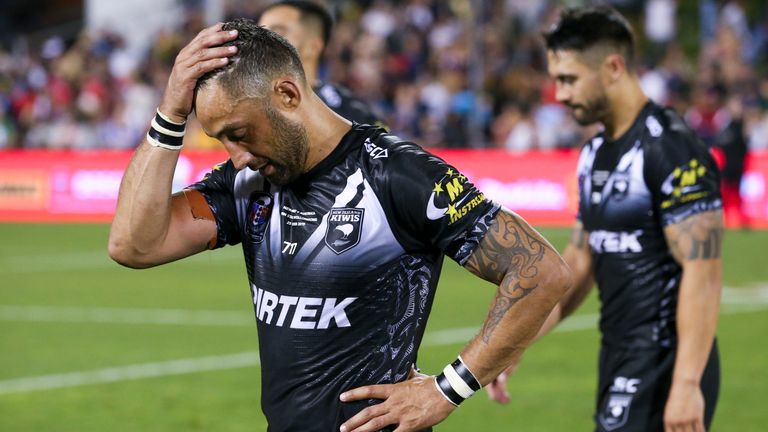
{"points": [[65, 266]]}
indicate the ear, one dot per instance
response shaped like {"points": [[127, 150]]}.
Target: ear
{"points": [[287, 94], [614, 67]]}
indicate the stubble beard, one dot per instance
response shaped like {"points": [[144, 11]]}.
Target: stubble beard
{"points": [[290, 145]]}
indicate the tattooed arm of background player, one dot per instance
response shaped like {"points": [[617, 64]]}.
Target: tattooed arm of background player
{"points": [[532, 277], [578, 257], [695, 243]]}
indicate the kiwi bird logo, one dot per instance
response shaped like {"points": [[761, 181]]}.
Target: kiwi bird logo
{"points": [[344, 227]]}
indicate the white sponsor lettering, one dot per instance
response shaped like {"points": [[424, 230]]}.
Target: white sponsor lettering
{"points": [[285, 304], [615, 242], [305, 312], [625, 385]]}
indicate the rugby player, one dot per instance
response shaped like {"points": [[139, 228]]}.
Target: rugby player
{"points": [[343, 227], [308, 26], [648, 232]]}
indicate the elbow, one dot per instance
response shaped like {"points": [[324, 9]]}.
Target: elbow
{"points": [[122, 253]]}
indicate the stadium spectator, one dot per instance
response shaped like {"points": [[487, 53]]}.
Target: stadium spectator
{"points": [[308, 26], [344, 228], [436, 71], [648, 231]]}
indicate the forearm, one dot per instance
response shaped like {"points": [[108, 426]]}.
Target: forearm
{"points": [[530, 287], [695, 243], [504, 339], [143, 209], [697, 312]]}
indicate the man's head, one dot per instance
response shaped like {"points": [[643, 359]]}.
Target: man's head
{"points": [[251, 104], [590, 53], [306, 24]]}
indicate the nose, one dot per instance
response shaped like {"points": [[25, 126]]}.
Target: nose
{"points": [[562, 94], [241, 157]]}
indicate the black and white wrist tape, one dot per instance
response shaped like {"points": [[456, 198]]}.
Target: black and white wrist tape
{"points": [[457, 383], [166, 133]]}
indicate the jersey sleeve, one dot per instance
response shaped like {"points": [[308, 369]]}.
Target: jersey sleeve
{"points": [[433, 205], [682, 175], [217, 187]]}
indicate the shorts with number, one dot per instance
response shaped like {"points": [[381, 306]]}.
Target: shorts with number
{"points": [[634, 385]]}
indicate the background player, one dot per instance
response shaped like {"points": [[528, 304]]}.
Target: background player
{"points": [[649, 232], [344, 229], [308, 26]]}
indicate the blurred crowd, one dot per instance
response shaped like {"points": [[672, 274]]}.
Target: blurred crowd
{"points": [[443, 73]]}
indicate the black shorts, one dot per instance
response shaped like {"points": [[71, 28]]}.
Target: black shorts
{"points": [[634, 385]]}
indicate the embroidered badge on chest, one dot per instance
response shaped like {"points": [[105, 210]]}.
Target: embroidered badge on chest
{"points": [[344, 229], [259, 211]]}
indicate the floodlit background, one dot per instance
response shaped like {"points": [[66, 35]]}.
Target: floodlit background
{"points": [[86, 345]]}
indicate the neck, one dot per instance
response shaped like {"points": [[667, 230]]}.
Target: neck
{"points": [[310, 70], [626, 101], [325, 129]]}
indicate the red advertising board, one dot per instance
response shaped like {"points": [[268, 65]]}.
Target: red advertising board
{"points": [[57, 186]]}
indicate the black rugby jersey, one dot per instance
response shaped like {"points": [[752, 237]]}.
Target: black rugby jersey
{"points": [[343, 265], [345, 104], [658, 173]]}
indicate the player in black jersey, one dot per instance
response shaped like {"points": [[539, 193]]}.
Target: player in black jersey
{"points": [[648, 232], [308, 26], [343, 228]]}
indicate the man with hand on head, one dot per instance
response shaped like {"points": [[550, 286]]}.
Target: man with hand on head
{"points": [[308, 26], [343, 227], [648, 231]]}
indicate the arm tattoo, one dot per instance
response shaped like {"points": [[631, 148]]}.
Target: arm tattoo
{"points": [[508, 255], [697, 237]]}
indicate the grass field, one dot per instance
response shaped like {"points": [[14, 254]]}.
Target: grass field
{"points": [[86, 345]]}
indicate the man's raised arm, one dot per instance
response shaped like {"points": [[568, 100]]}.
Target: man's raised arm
{"points": [[152, 227]]}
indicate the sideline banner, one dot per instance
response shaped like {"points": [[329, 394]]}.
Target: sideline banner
{"points": [[67, 186]]}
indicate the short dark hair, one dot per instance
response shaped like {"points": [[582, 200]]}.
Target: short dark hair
{"points": [[261, 55], [309, 11], [580, 29]]}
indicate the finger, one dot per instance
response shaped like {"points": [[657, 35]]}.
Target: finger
{"points": [[699, 426], [205, 41], [377, 423], [212, 53], [199, 69], [211, 29], [379, 391], [503, 396], [363, 417], [496, 392]]}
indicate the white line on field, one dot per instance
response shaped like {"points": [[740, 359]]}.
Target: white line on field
{"points": [[130, 372], [125, 316], [251, 359], [754, 297], [96, 259]]}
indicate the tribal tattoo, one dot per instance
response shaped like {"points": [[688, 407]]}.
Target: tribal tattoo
{"points": [[697, 237], [508, 255]]}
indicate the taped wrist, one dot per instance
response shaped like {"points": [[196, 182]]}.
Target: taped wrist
{"points": [[457, 383], [165, 133]]}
